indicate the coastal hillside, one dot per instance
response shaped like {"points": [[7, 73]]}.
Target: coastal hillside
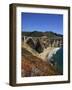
{"points": [[40, 54], [49, 34], [34, 66]]}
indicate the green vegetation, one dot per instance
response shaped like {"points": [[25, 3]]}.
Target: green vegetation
{"points": [[39, 34]]}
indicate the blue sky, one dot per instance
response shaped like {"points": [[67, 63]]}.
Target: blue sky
{"points": [[42, 22]]}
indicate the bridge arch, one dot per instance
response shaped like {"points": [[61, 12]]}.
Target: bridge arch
{"points": [[30, 42]]}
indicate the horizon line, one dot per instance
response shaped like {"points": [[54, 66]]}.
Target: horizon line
{"points": [[43, 31]]}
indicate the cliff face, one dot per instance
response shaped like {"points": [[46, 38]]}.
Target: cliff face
{"points": [[41, 43], [36, 46], [34, 66], [41, 40]]}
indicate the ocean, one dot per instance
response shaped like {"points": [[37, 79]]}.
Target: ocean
{"points": [[56, 58]]}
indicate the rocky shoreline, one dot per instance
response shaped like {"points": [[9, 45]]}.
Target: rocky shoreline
{"points": [[38, 49]]}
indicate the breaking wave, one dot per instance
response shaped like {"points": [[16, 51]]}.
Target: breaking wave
{"points": [[55, 58]]}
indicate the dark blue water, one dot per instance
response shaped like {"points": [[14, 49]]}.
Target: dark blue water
{"points": [[56, 58]]}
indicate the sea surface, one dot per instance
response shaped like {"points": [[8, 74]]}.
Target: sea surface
{"points": [[55, 57]]}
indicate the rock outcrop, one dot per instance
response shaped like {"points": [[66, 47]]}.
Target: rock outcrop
{"points": [[39, 54], [41, 43], [34, 66]]}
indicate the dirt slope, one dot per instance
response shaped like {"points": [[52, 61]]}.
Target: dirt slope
{"points": [[34, 66]]}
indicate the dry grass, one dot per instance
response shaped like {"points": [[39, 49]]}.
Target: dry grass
{"points": [[34, 66]]}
